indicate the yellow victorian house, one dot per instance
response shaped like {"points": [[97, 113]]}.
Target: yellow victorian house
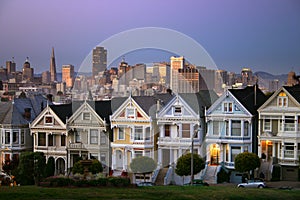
{"points": [[134, 129]]}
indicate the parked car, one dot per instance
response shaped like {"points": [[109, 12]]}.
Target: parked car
{"points": [[5, 178], [256, 183], [198, 182], [140, 184]]}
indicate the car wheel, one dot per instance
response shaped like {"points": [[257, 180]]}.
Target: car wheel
{"points": [[260, 186], [241, 186]]}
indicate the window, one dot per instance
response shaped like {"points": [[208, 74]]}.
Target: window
{"points": [[103, 138], [289, 150], [148, 153], [93, 136], [167, 130], [93, 156], [138, 133], [7, 137], [289, 123], [77, 136], [48, 120], [121, 134], [138, 153], [227, 106], [216, 127], [234, 152], [147, 133], [236, 128], [103, 158], [185, 130], [41, 139], [267, 125], [63, 140], [282, 100], [86, 116], [246, 128], [16, 137], [50, 140], [130, 113], [22, 136], [177, 110], [227, 127]]}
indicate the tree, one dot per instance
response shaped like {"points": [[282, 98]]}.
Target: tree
{"points": [[94, 168], [31, 168], [50, 167], [183, 166], [143, 165], [245, 162]]}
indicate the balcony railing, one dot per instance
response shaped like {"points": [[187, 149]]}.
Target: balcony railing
{"points": [[289, 153], [76, 146], [177, 140]]}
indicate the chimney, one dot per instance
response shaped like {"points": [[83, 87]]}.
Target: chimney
{"points": [[27, 114], [49, 97]]}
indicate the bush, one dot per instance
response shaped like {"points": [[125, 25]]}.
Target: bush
{"points": [[276, 173], [223, 176], [59, 181], [114, 181]]}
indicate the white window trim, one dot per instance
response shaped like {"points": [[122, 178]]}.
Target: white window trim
{"points": [[89, 116], [90, 138], [264, 125], [119, 133], [282, 100], [52, 121], [227, 110], [129, 116], [177, 113]]}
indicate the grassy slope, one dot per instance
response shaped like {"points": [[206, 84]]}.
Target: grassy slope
{"points": [[158, 192]]}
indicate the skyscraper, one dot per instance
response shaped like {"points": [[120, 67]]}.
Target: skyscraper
{"points": [[53, 67], [176, 63], [68, 75], [11, 66], [99, 60], [27, 71]]}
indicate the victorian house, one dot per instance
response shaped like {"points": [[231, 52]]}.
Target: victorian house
{"points": [[232, 125], [68, 132], [15, 117], [181, 123], [279, 132], [134, 129]]}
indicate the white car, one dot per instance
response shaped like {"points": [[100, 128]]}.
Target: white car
{"points": [[252, 184]]}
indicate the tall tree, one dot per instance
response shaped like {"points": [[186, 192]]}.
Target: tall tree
{"points": [[143, 165], [245, 162], [183, 165]]}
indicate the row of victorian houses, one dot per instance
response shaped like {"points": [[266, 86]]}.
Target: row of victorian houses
{"points": [[162, 127]]}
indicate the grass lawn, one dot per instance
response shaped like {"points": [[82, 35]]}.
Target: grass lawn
{"points": [[157, 192]]}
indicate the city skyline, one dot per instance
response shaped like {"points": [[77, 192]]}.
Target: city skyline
{"points": [[260, 35]]}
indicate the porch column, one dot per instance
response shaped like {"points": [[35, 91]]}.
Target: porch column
{"points": [[11, 138], [113, 159], [47, 139], [69, 160], [221, 156], [242, 128], [282, 150], [295, 153], [171, 156], [125, 160], [273, 149], [159, 157], [20, 137], [259, 148]]}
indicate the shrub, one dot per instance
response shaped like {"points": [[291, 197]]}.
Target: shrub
{"points": [[276, 173], [223, 176], [59, 181], [115, 181]]}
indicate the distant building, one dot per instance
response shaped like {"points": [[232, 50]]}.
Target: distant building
{"points": [[68, 75], [273, 85], [99, 60], [207, 78], [247, 77], [161, 73], [27, 71], [176, 63], [10, 66], [292, 79], [53, 67], [46, 78], [188, 80]]}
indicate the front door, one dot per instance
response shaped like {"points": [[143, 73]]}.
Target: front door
{"points": [[214, 154]]}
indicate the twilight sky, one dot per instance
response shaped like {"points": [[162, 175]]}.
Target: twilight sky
{"points": [[261, 34]]}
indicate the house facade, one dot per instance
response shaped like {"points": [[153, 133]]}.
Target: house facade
{"points": [[69, 132], [279, 132], [232, 127], [15, 117]]}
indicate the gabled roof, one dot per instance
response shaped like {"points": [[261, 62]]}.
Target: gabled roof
{"points": [[12, 113], [200, 100], [294, 91], [63, 111], [247, 97]]}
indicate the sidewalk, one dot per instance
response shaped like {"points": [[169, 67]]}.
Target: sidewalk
{"points": [[284, 184]]}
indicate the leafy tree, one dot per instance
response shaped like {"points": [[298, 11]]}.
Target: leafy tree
{"points": [[50, 167], [183, 166], [245, 162], [143, 165], [95, 167], [31, 168]]}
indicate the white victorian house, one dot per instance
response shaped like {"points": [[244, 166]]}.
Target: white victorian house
{"points": [[279, 132], [231, 129]]}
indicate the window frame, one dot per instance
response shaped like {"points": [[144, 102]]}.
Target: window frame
{"points": [[121, 131], [48, 120], [94, 138]]}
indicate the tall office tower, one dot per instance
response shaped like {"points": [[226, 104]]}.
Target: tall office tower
{"points": [[53, 67], [46, 77], [99, 60], [207, 78], [27, 71], [247, 77], [161, 73], [11, 66], [123, 73], [176, 63], [292, 79], [221, 80], [68, 75], [188, 80]]}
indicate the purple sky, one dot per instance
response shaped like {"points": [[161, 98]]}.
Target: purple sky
{"points": [[261, 34]]}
